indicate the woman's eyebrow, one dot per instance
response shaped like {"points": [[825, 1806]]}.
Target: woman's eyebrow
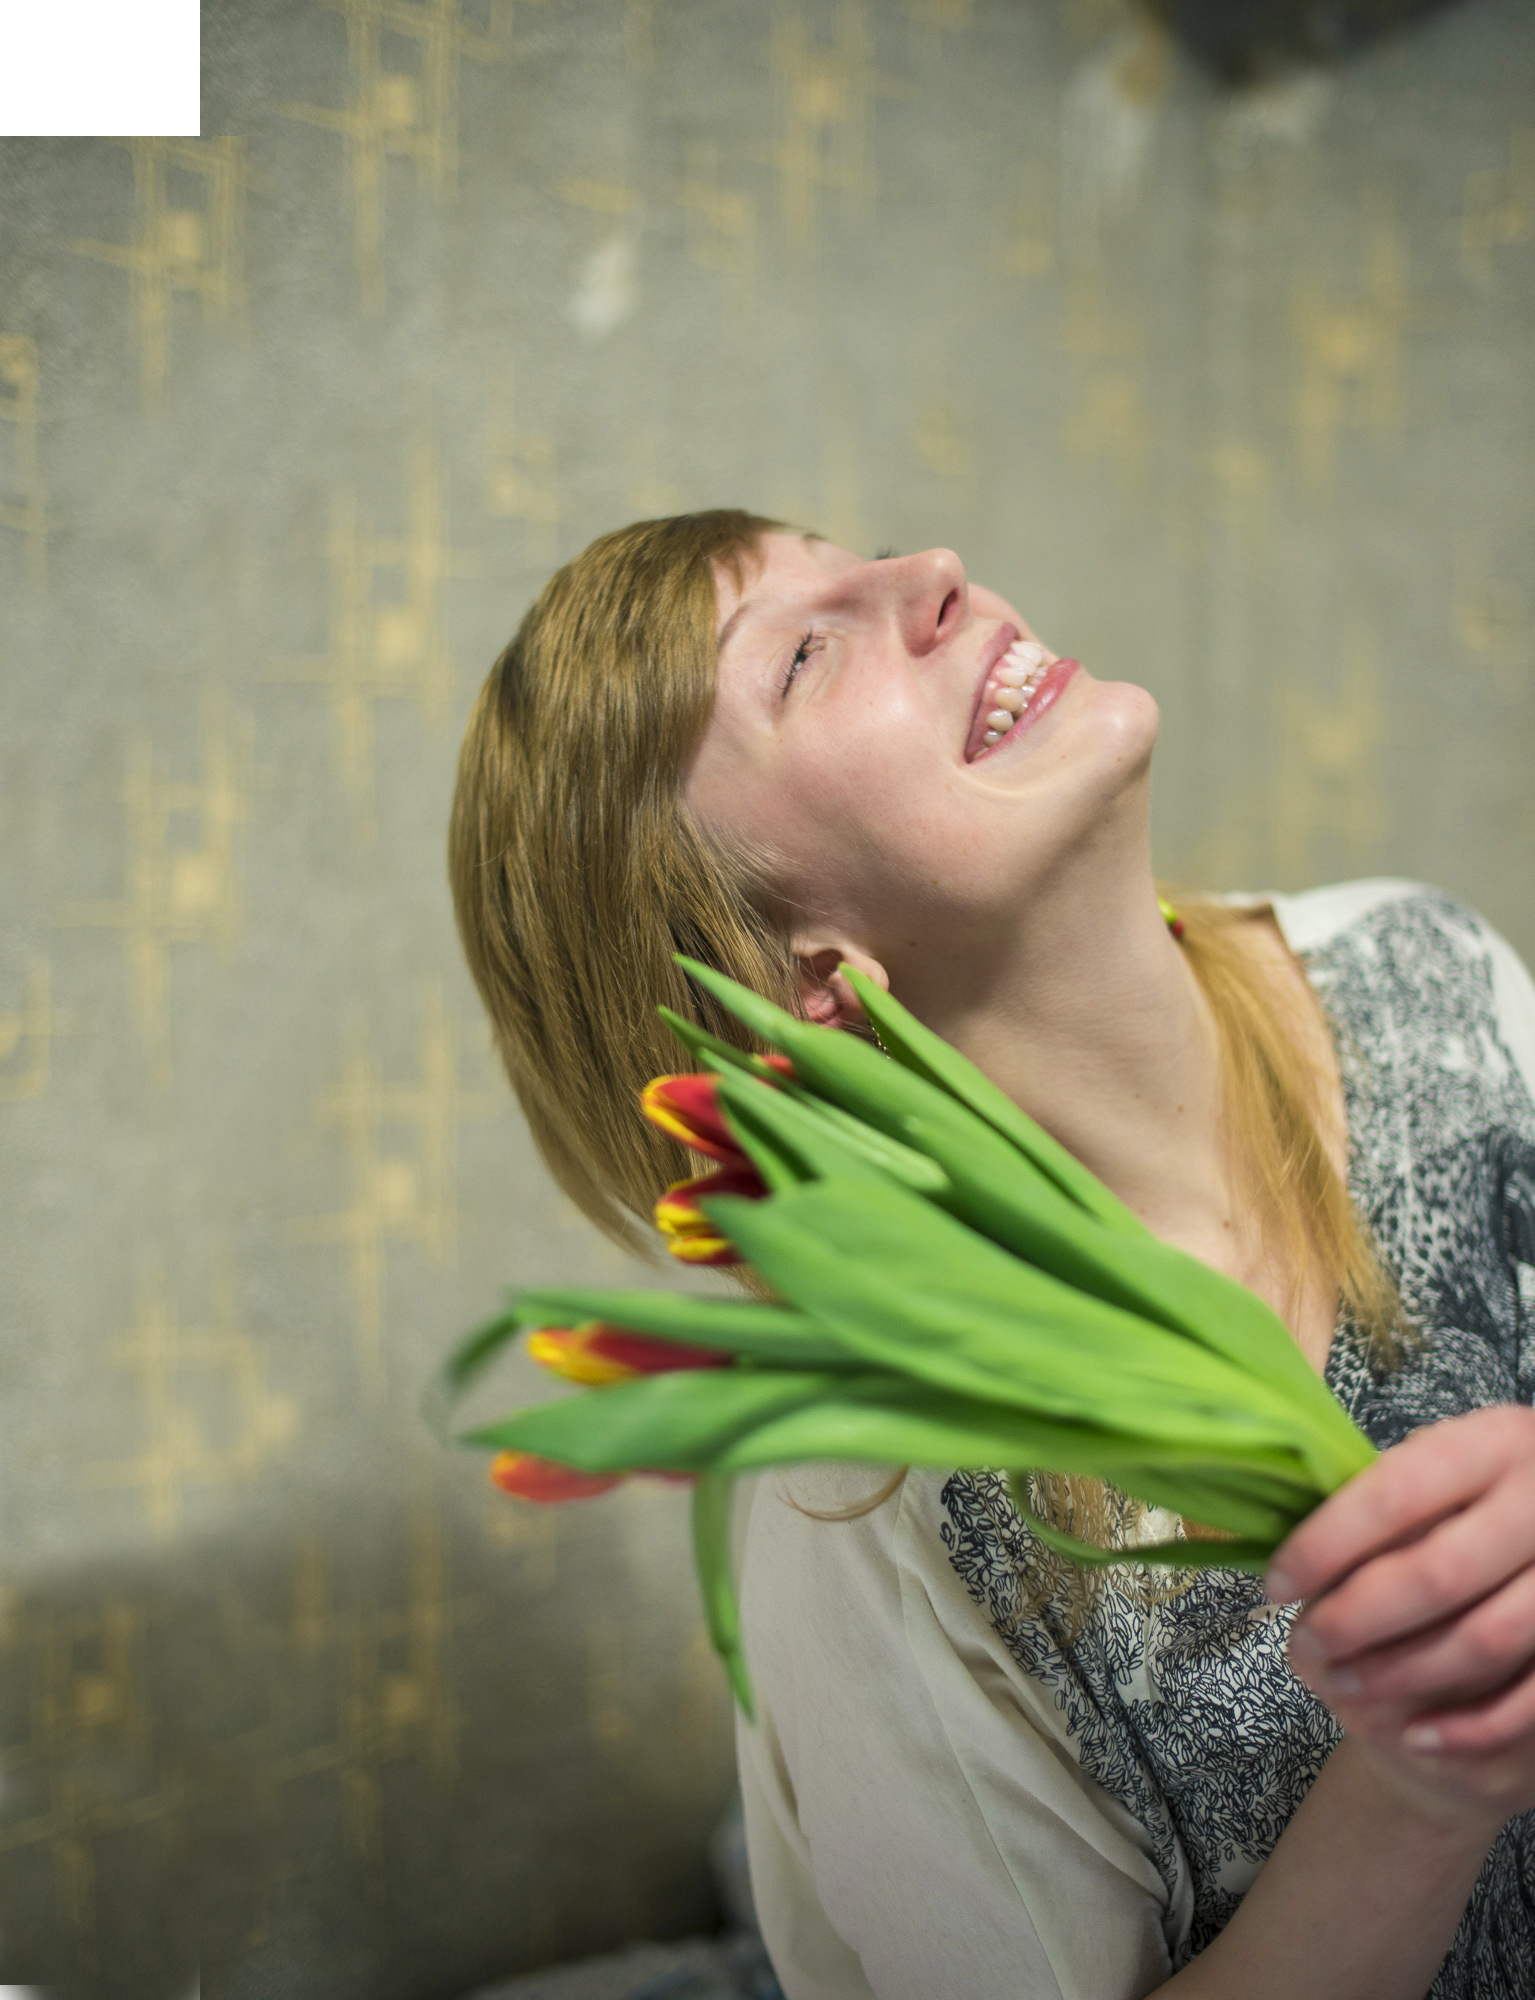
{"points": [[728, 629], [732, 623]]}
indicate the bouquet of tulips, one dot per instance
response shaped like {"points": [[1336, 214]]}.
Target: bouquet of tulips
{"points": [[956, 1290]]}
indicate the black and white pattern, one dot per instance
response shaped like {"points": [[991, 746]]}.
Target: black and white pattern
{"points": [[1188, 1712]]}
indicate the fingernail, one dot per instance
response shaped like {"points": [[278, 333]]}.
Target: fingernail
{"points": [[1423, 1736], [1279, 1587], [1343, 1680]]}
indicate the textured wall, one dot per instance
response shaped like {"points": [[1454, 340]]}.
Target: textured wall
{"points": [[1232, 395]]}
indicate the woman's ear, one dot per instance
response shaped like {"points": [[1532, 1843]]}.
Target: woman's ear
{"points": [[825, 995]]}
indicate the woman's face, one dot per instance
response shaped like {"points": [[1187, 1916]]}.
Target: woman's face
{"points": [[848, 739]]}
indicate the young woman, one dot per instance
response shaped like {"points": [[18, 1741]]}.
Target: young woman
{"points": [[977, 1773]]}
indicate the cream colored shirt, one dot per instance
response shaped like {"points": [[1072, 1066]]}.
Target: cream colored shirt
{"points": [[919, 1822]]}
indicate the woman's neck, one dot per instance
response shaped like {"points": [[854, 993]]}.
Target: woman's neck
{"points": [[1102, 1033]]}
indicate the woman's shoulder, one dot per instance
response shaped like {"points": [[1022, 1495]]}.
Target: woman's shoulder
{"points": [[1311, 919], [834, 1557]]}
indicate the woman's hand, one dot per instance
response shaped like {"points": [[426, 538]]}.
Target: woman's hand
{"points": [[1420, 1629]]}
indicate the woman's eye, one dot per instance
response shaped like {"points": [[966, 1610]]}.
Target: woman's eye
{"points": [[802, 653]]}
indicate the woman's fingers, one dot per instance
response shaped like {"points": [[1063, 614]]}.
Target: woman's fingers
{"points": [[1437, 1472], [1483, 1730], [1447, 1571], [1463, 1658]]}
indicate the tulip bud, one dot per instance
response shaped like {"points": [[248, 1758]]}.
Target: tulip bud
{"points": [[689, 1234], [687, 1108], [597, 1353], [541, 1479]]}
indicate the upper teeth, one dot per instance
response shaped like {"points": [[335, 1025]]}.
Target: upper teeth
{"points": [[1014, 681]]}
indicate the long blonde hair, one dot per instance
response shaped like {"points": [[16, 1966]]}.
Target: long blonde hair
{"points": [[577, 872]]}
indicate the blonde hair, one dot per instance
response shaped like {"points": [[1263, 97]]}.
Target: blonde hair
{"points": [[577, 872]]}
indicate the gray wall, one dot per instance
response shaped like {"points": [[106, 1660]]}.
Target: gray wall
{"points": [[1231, 395]]}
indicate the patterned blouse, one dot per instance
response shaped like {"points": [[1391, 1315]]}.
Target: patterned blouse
{"points": [[1110, 1793]]}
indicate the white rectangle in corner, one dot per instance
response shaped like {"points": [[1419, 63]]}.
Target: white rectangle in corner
{"points": [[85, 69]]}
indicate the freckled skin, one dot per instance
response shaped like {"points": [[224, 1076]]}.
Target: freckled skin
{"points": [[857, 780]]}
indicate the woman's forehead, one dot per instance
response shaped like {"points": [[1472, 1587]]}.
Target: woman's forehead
{"points": [[782, 564]]}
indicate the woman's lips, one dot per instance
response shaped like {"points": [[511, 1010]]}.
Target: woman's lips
{"points": [[1043, 698]]}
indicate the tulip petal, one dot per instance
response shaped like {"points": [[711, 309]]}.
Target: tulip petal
{"points": [[642, 1354], [687, 1108], [572, 1356], [526, 1477], [689, 1234], [599, 1352]]}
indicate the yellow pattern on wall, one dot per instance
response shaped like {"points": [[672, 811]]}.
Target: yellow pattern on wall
{"points": [[608, 200], [609, 1723], [178, 893], [1491, 618], [83, 1765], [1328, 777], [1241, 482], [385, 647], [21, 481], [1500, 207], [393, 1688], [1027, 249], [397, 1195], [825, 91], [27, 1035], [522, 471], [411, 114], [196, 247], [209, 1419], [1108, 420], [85, 1692], [942, 435], [721, 225], [942, 13], [1349, 355], [1092, 329], [1106, 416]]}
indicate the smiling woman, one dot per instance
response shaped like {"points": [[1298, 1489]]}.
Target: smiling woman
{"points": [[976, 1772]]}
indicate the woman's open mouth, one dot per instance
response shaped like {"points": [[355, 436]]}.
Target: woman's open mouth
{"points": [[1019, 688]]}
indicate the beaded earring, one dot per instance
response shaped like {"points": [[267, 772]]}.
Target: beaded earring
{"points": [[1170, 917]]}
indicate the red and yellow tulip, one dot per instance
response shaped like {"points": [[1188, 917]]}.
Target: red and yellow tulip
{"points": [[598, 1353], [528, 1478], [687, 1108], [594, 1355], [688, 1233]]}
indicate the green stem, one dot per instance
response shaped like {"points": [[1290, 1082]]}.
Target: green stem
{"points": [[1223, 1554], [712, 1492]]}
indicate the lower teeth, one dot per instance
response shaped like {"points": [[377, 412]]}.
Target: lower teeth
{"points": [[1029, 689]]}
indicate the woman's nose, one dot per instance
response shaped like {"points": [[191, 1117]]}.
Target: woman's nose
{"points": [[931, 597]]}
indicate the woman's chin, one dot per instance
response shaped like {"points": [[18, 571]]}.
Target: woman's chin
{"points": [[1128, 696], [1117, 718]]}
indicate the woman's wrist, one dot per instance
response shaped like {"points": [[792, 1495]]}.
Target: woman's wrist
{"points": [[1420, 1797], [1361, 1898]]}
